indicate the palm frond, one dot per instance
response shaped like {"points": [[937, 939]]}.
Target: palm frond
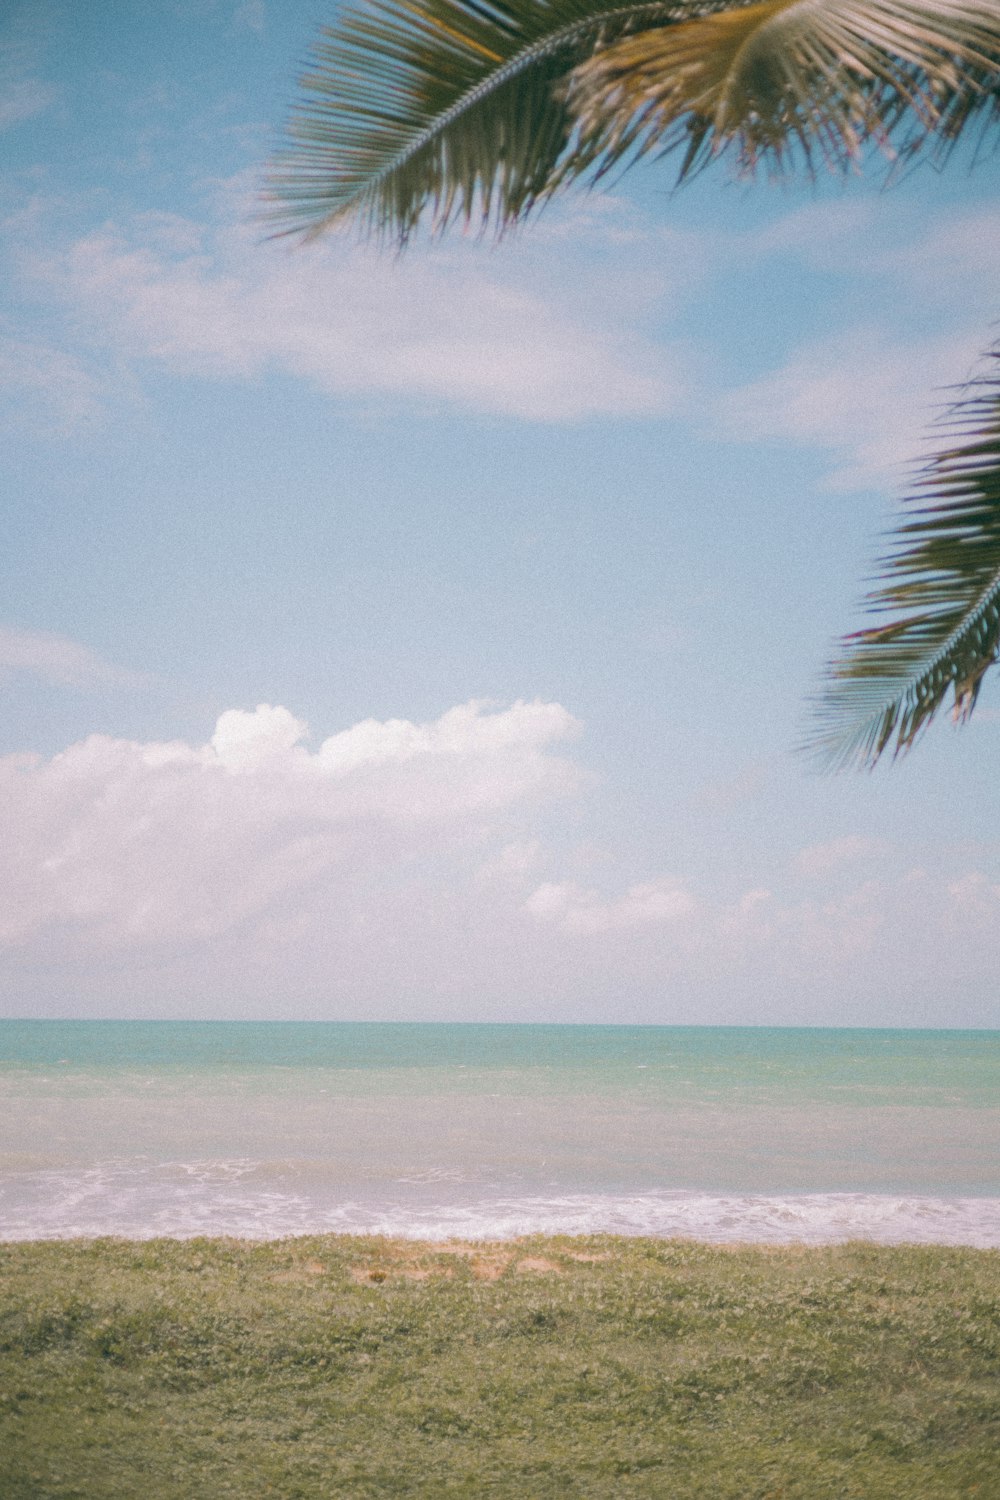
{"points": [[451, 106], [944, 578], [820, 77], [480, 109]]}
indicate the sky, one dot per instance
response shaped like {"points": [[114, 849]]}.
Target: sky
{"points": [[432, 637]]}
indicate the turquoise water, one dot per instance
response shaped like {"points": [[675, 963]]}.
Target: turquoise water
{"points": [[273, 1128]]}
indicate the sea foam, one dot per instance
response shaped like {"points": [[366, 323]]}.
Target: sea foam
{"points": [[235, 1198]]}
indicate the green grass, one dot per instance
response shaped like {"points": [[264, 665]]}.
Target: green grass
{"points": [[333, 1367]]}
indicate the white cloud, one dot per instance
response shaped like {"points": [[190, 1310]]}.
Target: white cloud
{"points": [[512, 863], [895, 934], [956, 260], [114, 844], [870, 395], [253, 741], [22, 95], [402, 869], [816, 232], [453, 323], [57, 659], [975, 893], [820, 859], [867, 398], [870, 950], [652, 903], [22, 99], [53, 383]]}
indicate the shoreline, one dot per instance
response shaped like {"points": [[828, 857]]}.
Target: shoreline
{"points": [[145, 1205], [449, 1245]]}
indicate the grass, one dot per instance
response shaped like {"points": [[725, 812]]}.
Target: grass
{"points": [[344, 1367]]}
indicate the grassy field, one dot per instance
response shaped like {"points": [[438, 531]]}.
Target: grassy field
{"points": [[333, 1367]]}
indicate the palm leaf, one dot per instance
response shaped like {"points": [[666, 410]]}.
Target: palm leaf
{"points": [[482, 108], [944, 578], [823, 77], [449, 105]]}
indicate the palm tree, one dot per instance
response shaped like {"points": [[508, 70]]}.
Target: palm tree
{"points": [[428, 111]]}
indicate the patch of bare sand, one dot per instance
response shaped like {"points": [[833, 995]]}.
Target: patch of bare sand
{"points": [[486, 1262], [489, 1268], [537, 1265]]}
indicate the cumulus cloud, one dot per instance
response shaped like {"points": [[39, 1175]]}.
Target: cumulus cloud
{"points": [[456, 325], [975, 894], [115, 844], [57, 659], [405, 869]]}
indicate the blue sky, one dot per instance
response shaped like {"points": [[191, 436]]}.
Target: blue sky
{"points": [[431, 637]]}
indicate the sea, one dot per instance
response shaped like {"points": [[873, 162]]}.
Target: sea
{"points": [[724, 1134]]}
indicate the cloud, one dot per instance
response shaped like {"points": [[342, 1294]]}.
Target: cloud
{"points": [[455, 324], [820, 859], [901, 927], [22, 99], [22, 95], [115, 845], [57, 659], [869, 396], [866, 397], [56, 386], [974, 893], [955, 260], [403, 869], [512, 862], [952, 261], [816, 232], [652, 903], [897, 935]]}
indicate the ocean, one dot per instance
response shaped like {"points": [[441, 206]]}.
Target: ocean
{"points": [[261, 1129]]}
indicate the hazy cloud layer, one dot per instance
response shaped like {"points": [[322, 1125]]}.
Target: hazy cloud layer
{"points": [[851, 849], [455, 324], [57, 659], [869, 395], [48, 386], [527, 330], [22, 93], [867, 398], [791, 954]]}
